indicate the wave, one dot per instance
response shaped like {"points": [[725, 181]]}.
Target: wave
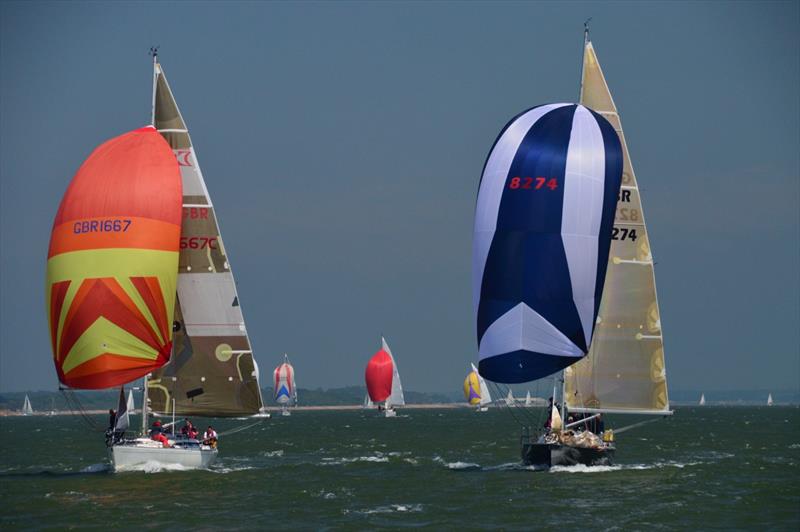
{"points": [[272, 454], [390, 508], [340, 461], [462, 466], [96, 468], [152, 466]]}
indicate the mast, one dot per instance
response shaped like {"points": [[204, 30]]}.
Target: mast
{"points": [[144, 406], [154, 53], [583, 57]]}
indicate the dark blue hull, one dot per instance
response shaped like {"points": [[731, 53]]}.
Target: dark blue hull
{"points": [[546, 455]]}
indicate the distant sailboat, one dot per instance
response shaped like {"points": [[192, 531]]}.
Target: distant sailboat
{"points": [[131, 405], [702, 399], [383, 380], [284, 386], [475, 390], [368, 404], [27, 409], [769, 400], [528, 400], [510, 401]]}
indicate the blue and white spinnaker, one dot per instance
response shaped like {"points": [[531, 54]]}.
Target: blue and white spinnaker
{"points": [[543, 226]]}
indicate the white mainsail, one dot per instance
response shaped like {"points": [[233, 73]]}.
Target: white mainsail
{"points": [[212, 370], [27, 409], [368, 402], [510, 398], [486, 397], [769, 400], [702, 399], [624, 371], [528, 401], [131, 406], [397, 397]]}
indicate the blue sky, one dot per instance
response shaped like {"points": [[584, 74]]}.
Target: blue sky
{"points": [[342, 143]]}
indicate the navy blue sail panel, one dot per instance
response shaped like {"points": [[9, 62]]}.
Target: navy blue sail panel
{"points": [[545, 197]]}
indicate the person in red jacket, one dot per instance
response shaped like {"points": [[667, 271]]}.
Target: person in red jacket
{"points": [[157, 434]]}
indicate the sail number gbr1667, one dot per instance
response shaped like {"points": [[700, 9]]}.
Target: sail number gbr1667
{"points": [[101, 226]]}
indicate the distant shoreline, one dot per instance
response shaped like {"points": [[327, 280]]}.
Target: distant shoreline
{"points": [[421, 406], [416, 406]]}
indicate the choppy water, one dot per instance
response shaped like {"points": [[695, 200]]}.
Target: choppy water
{"points": [[707, 468]]}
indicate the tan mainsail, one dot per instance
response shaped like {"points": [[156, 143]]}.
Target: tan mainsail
{"points": [[212, 371], [624, 370]]}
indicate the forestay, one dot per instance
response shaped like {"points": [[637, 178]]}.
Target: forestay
{"points": [[542, 230], [212, 371], [624, 371]]}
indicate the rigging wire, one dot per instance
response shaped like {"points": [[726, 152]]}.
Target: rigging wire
{"points": [[239, 429], [74, 404]]}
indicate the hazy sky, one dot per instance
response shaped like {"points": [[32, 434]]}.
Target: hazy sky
{"points": [[342, 144]]}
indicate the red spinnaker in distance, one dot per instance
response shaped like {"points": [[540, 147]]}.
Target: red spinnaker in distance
{"points": [[379, 376]]}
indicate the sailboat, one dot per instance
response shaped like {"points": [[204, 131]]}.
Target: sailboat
{"points": [[769, 400], [368, 404], [285, 387], [130, 405], [528, 400], [27, 409], [510, 401], [476, 391], [563, 274], [383, 381], [702, 400], [139, 286]]}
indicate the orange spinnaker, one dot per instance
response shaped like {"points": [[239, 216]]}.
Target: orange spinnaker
{"points": [[113, 263]]}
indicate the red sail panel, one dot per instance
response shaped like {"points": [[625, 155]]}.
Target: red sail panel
{"points": [[113, 263], [379, 376]]}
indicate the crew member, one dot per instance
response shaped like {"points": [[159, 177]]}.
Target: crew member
{"points": [[157, 434]]}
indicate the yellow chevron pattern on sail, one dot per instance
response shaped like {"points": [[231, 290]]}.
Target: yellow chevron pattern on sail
{"points": [[121, 264], [131, 295]]}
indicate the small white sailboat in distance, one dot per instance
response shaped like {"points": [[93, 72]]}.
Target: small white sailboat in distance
{"points": [[769, 400], [368, 402], [528, 401], [702, 399], [510, 401], [131, 405], [27, 409]]}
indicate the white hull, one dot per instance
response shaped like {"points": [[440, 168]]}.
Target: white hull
{"points": [[482, 409], [390, 413], [285, 413], [145, 451]]}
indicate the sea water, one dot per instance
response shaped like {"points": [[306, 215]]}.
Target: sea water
{"points": [[703, 468]]}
